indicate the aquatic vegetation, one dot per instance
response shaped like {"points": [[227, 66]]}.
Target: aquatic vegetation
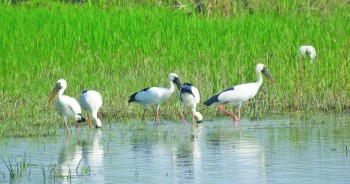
{"points": [[110, 48], [10, 168], [18, 167]]}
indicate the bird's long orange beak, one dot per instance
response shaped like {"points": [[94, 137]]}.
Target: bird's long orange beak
{"points": [[53, 93]]}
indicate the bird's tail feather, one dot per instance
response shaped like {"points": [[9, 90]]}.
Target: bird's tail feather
{"points": [[211, 100], [132, 98]]}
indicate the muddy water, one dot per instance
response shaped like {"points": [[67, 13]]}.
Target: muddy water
{"points": [[311, 149]]}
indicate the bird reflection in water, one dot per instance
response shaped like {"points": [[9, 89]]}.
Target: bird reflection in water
{"points": [[187, 156], [82, 158], [206, 149]]}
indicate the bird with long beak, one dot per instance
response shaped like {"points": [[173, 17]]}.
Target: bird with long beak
{"points": [[236, 95], [154, 96], [67, 106]]}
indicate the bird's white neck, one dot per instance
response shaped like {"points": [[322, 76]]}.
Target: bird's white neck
{"points": [[260, 79], [172, 87], [60, 93]]}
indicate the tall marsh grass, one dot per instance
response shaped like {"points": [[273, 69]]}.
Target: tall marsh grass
{"points": [[119, 50]]}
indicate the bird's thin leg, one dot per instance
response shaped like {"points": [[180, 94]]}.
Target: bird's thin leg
{"points": [[182, 116], [239, 113], [229, 113], [67, 137], [89, 122], [143, 114], [157, 114], [192, 119], [76, 126], [67, 129], [154, 112]]}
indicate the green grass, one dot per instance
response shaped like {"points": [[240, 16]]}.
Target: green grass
{"points": [[121, 50]]}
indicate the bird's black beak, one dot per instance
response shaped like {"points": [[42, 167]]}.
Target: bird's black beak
{"points": [[177, 82], [267, 74]]}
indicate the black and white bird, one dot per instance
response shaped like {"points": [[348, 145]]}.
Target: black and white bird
{"points": [[308, 50], [154, 96], [238, 94], [67, 106], [189, 96], [91, 101]]}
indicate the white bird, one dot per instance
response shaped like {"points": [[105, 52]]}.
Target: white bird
{"points": [[238, 94], [91, 101], [189, 96], [67, 106], [155, 95], [308, 51]]}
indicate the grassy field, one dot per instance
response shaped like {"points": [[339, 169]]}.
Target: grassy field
{"points": [[119, 50]]}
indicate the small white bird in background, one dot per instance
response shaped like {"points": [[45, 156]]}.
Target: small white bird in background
{"points": [[238, 94], [189, 96], [91, 101], [67, 106], [308, 51], [155, 95]]}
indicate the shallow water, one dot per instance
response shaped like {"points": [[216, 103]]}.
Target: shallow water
{"points": [[278, 150]]}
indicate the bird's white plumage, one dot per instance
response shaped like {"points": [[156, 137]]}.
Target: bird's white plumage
{"points": [[154, 95], [308, 50], [199, 116], [67, 106], [189, 96], [91, 101], [239, 94], [190, 99]]}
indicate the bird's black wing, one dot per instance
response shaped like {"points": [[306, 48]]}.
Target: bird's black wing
{"points": [[133, 96], [215, 98], [186, 88]]}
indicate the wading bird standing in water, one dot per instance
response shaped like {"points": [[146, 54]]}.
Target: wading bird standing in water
{"points": [[155, 95], [91, 101], [189, 96], [67, 106], [238, 94]]}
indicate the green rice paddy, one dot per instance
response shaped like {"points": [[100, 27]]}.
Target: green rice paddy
{"points": [[118, 49]]}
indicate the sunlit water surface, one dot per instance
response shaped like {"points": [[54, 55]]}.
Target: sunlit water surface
{"points": [[277, 150]]}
